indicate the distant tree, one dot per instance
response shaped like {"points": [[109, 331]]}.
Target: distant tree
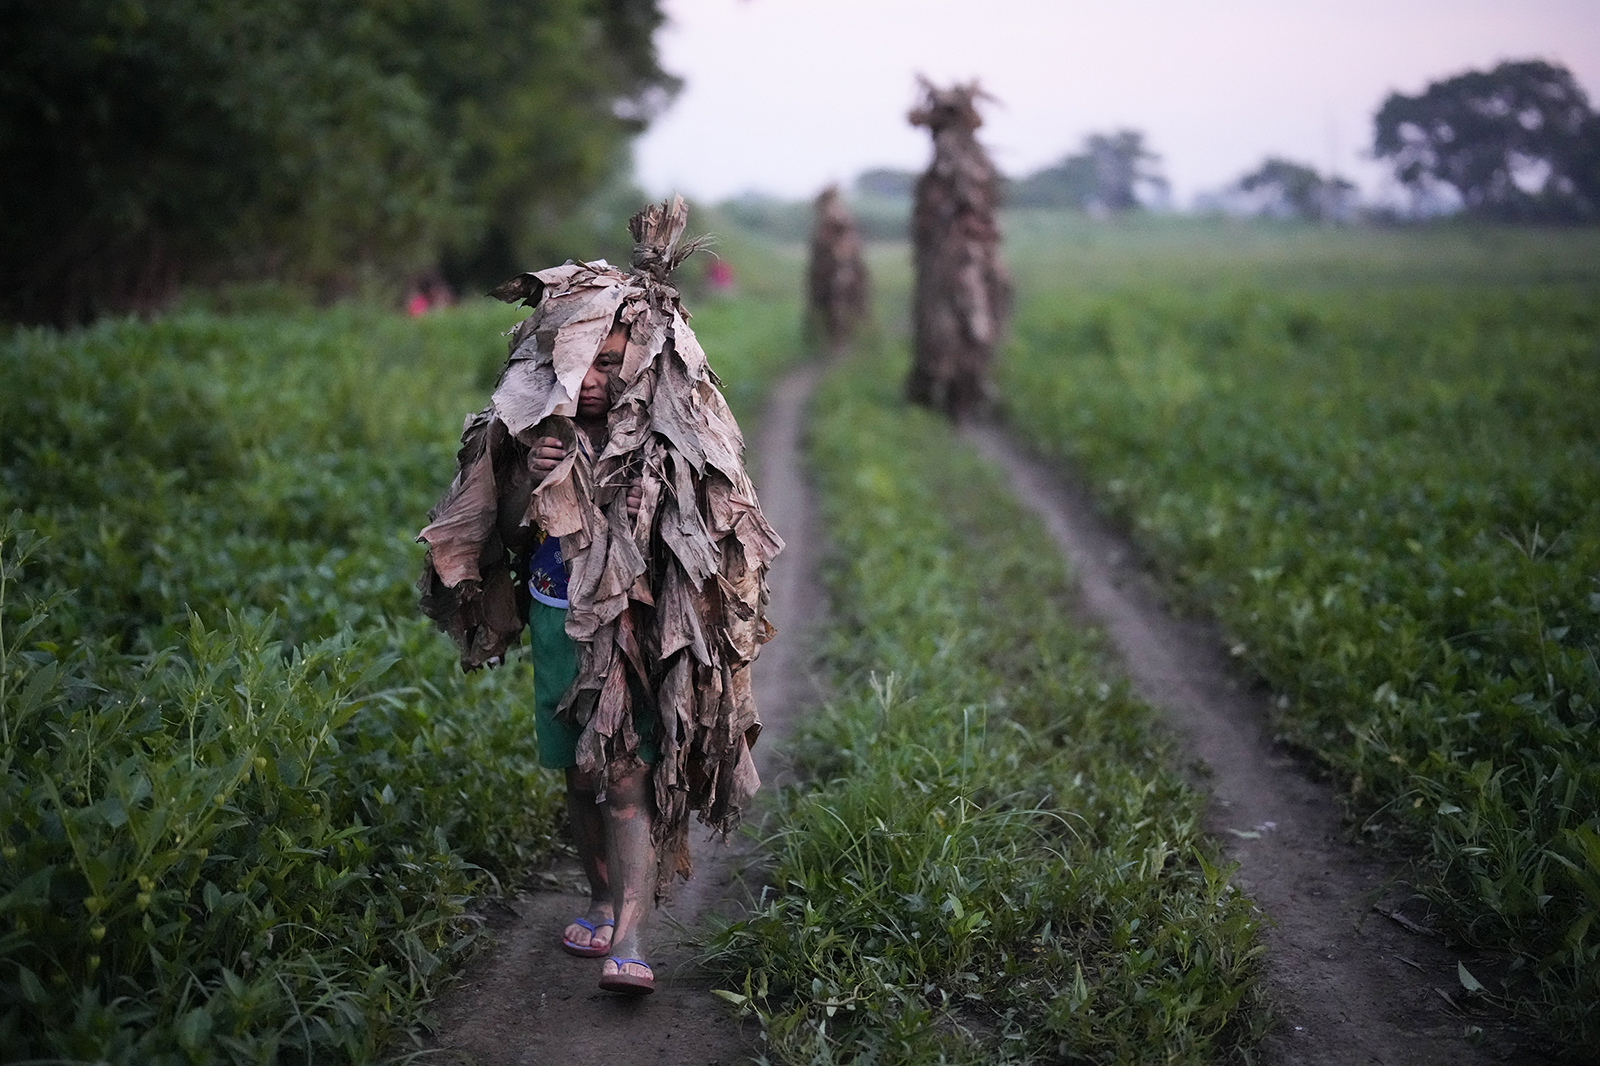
{"points": [[1123, 168], [886, 182], [1113, 172], [320, 141], [1070, 183], [1292, 190], [1517, 142], [772, 216]]}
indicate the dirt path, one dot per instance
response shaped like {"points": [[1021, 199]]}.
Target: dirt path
{"points": [[527, 1003], [1349, 986]]}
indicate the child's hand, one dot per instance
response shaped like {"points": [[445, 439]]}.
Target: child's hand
{"points": [[635, 499], [547, 452]]}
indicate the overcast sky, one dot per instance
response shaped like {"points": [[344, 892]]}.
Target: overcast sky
{"points": [[783, 96]]}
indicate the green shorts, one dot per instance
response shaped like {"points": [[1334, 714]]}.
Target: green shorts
{"points": [[555, 664]]}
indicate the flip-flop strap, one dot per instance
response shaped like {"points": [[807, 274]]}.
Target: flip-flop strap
{"points": [[597, 925], [624, 962]]}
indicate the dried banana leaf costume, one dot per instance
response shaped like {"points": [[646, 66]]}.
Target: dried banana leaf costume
{"points": [[669, 607]]}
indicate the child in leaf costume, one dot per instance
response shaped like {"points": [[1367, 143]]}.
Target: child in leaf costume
{"points": [[607, 430]]}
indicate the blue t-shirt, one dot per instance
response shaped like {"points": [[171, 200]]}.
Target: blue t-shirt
{"points": [[547, 579]]}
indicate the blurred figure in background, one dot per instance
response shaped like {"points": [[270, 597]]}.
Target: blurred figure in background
{"points": [[429, 292], [837, 279], [963, 293], [719, 276]]}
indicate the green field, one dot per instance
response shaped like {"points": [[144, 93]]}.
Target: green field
{"points": [[236, 819], [990, 859], [1375, 457], [245, 791]]}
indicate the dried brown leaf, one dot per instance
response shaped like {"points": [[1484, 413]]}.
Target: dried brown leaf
{"points": [[674, 597]]}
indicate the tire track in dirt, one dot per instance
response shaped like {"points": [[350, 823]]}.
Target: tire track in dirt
{"points": [[1347, 985], [525, 1002]]}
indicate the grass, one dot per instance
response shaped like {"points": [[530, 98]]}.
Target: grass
{"points": [[989, 860], [245, 792], [1373, 455], [247, 795]]}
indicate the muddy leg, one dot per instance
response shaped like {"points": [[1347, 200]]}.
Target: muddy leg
{"points": [[589, 837], [632, 866]]}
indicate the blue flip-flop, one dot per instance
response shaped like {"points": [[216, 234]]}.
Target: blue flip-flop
{"points": [[626, 983], [590, 950]]}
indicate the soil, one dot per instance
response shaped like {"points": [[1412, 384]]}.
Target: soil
{"points": [[525, 1002], [1353, 970]]}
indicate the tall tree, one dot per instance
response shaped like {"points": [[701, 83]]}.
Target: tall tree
{"points": [[963, 293], [1284, 189], [319, 140], [1516, 142], [1112, 172], [540, 102], [1123, 168]]}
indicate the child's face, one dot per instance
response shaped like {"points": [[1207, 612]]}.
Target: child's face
{"points": [[594, 398]]}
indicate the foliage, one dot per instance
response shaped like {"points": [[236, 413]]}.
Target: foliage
{"points": [[881, 201], [990, 862], [1516, 142], [253, 840], [886, 182], [770, 216], [143, 144], [1282, 189], [881, 218], [245, 794], [1112, 172], [1387, 491]]}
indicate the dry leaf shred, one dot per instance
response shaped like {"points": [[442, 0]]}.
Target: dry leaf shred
{"points": [[668, 608]]}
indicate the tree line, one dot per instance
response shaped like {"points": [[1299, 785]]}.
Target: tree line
{"points": [[338, 144], [1517, 143], [331, 143]]}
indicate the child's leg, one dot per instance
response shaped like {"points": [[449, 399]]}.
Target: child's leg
{"points": [[587, 822], [555, 664], [632, 867]]}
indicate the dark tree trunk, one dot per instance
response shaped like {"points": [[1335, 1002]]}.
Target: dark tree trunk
{"points": [[837, 294], [963, 293]]}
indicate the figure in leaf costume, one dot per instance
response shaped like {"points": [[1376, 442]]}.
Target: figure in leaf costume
{"points": [[836, 290], [608, 433], [963, 292]]}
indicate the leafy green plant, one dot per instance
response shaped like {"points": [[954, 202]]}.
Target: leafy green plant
{"points": [[241, 851], [245, 792], [337, 146], [1388, 495], [990, 861]]}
